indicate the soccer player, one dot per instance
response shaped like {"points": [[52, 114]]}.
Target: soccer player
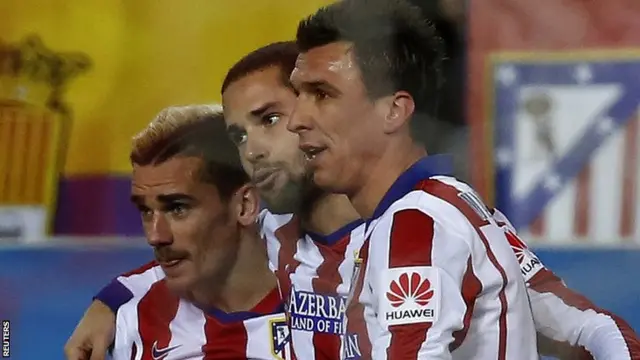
{"points": [[210, 293], [439, 280], [258, 102]]}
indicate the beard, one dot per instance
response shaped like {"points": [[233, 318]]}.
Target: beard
{"points": [[296, 197]]}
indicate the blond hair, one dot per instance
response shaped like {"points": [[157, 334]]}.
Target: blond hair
{"points": [[193, 130]]}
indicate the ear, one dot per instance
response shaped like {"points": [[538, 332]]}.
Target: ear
{"points": [[400, 108], [247, 205]]}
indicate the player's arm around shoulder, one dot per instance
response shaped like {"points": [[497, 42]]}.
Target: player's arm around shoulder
{"points": [[95, 331], [419, 254]]}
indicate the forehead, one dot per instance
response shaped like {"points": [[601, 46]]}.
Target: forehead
{"points": [[175, 172], [253, 91], [331, 62]]}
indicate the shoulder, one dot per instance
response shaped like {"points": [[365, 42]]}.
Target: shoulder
{"points": [[438, 200], [270, 222]]}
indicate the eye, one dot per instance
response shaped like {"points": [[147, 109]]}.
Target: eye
{"points": [[270, 119], [321, 95], [145, 213], [179, 210], [238, 138]]}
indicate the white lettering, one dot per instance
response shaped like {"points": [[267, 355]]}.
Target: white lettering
{"points": [[333, 309], [337, 327], [323, 325], [321, 310], [352, 349], [311, 305], [302, 323]]}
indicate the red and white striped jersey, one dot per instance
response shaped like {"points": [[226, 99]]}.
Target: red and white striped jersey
{"points": [[315, 276], [440, 280], [568, 324], [156, 324]]}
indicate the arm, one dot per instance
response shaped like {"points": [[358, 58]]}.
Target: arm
{"points": [[417, 283], [126, 286], [575, 324], [571, 326], [96, 330]]}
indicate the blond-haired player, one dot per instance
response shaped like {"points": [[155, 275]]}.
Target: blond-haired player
{"points": [[210, 292]]}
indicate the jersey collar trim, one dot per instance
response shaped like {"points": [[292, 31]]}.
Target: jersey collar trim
{"points": [[424, 168], [337, 235]]}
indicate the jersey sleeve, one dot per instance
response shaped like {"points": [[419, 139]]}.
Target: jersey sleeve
{"points": [[133, 283], [418, 280], [570, 325]]}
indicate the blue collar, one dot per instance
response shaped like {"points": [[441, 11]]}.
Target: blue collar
{"points": [[337, 235], [422, 169]]}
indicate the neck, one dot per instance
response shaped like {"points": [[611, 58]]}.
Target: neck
{"points": [[329, 213], [249, 278], [387, 170]]}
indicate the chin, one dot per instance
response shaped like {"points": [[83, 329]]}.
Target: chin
{"points": [[180, 285], [327, 183]]}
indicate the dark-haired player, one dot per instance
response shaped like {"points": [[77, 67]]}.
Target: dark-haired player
{"points": [[439, 279]]}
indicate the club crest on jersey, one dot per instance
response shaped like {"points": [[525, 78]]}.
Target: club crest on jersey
{"points": [[529, 263], [409, 295], [280, 337], [313, 312]]}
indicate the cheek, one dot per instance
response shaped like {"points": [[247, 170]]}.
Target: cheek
{"points": [[246, 165]]}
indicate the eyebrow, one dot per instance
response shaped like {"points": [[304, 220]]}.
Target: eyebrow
{"points": [[165, 199], [263, 109], [311, 85]]}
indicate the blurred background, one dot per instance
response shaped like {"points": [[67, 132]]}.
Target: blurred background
{"points": [[540, 110]]}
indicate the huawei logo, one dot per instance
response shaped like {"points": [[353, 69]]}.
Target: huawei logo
{"points": [[410, 287], [517, 246]]}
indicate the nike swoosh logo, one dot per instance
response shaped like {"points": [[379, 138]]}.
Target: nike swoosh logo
{"points": [[159, 354]]}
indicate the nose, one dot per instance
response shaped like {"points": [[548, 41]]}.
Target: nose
{"points": [[300, 119], [255, 149], [158, 231]]}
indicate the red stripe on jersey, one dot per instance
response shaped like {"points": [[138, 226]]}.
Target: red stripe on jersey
{"points": [[156, 310], [630, 174], [471, 288], [356, 323], [547, 282], [141, 269], [451, 195], [326, 345], [287, 235], [224, 341], [410, 245], [582, 204]]}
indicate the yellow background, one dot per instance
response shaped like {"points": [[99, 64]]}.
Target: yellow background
{"points": [[146, 54]]}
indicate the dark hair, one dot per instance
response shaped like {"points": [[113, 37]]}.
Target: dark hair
{"points": [[395, 47], [279, 54], [195, 130]]}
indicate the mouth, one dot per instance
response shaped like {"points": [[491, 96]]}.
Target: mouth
{"points": [[263, 177], [311, 152], [170, 263]]}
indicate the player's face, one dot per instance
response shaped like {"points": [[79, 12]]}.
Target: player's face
{"points": [[339, 126], [257, 108], [192, 232]]}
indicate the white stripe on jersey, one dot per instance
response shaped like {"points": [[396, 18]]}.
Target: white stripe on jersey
{"points": [[456, 243], [320, 276], [162, 326]]}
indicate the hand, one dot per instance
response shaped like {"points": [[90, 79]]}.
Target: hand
{"points": [[93, 335]]}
